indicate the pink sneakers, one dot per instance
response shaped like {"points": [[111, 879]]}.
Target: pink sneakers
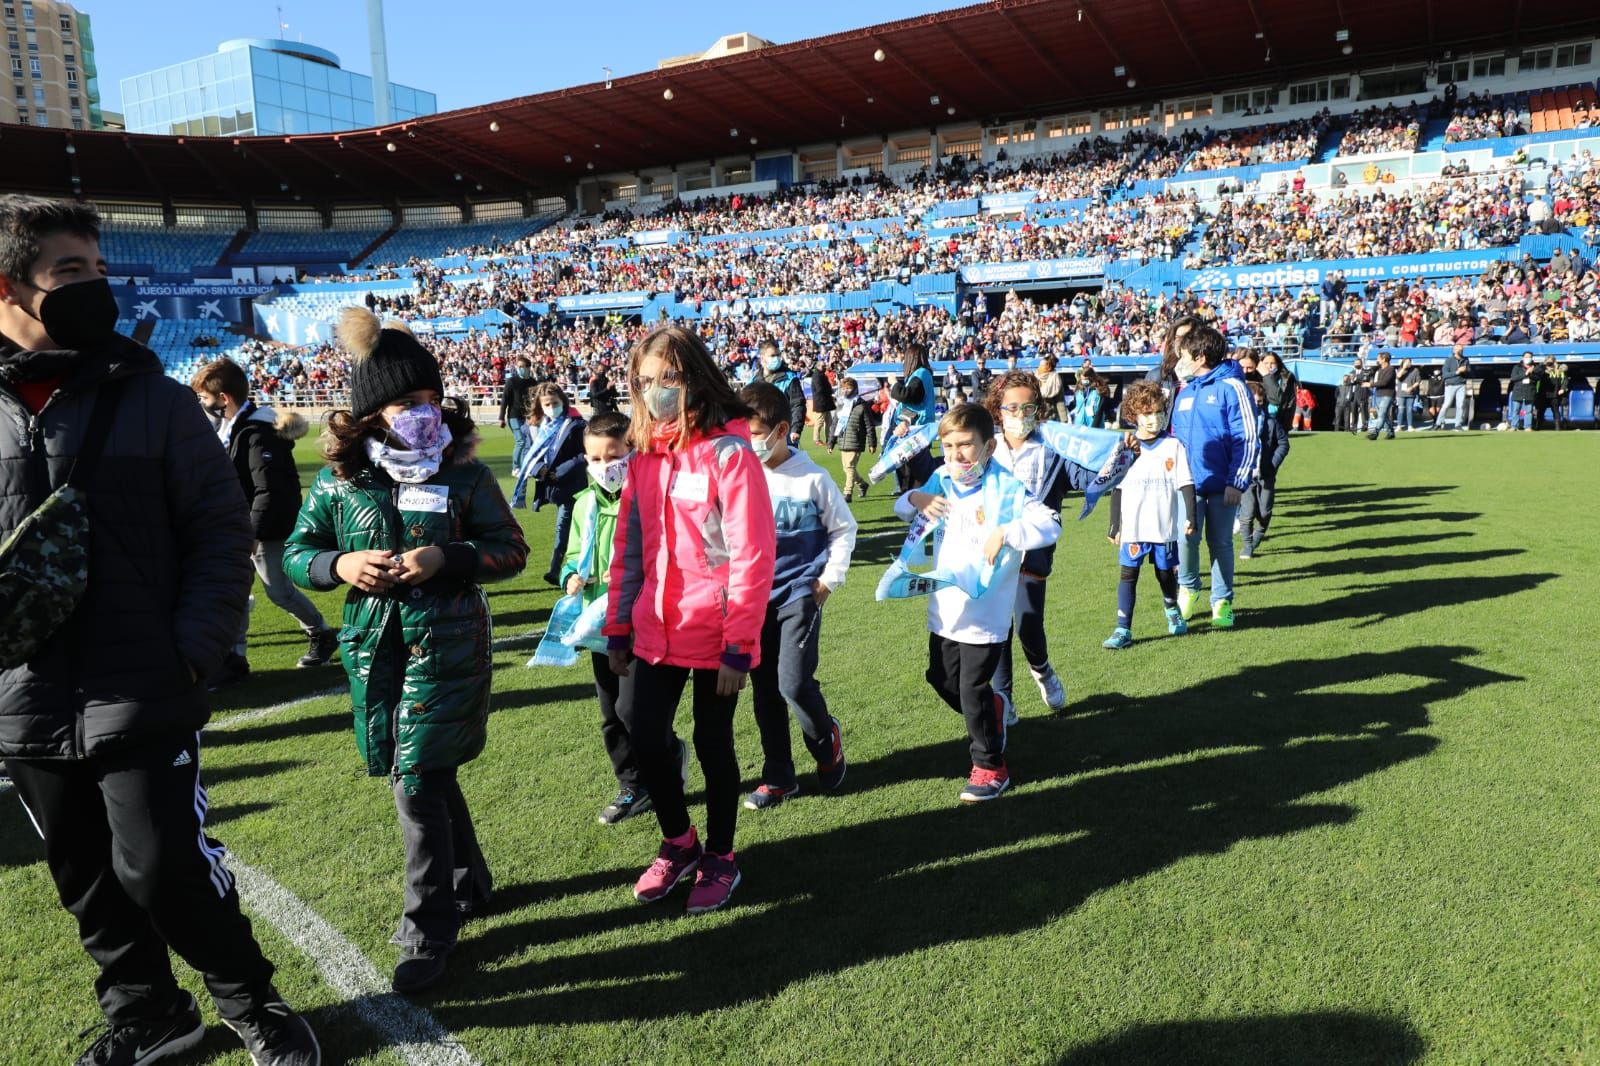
{"points": [[714, 884], [673, 863]]}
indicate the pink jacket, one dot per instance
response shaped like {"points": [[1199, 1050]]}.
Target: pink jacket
{"points": [[691, 566]]}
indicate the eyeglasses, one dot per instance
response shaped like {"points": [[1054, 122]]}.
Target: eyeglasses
{"points": [[1020, 408], [670, 379]]}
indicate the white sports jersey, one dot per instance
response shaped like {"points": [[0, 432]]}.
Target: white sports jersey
{"points": [[1000, 500], [1152, 503]]}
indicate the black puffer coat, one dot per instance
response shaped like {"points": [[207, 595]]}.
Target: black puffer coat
{"points": [[169, 569]]}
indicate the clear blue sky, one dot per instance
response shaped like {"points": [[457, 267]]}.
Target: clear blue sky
{"points": [[507, 48]]}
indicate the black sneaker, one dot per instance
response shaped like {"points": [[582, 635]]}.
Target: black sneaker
{"points": [[416, 972], [174, 1034], [235, 670], [830, 775], [323, 646], [277, 1036], [627, 804]]}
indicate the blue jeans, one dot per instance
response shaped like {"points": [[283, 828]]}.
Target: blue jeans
{"points": [[1408, 411], [1214, 524], [519, 448], [1385, 419], [1522, 414]]}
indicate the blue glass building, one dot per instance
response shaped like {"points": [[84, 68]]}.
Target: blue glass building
{"points": [[257, 87]]}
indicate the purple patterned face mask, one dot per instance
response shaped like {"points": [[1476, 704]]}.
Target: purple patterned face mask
{"points": [[418, 428]]}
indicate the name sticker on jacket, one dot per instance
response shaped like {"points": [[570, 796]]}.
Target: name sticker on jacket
{"points": [[1185, 402], [696, 488], [428, 499]]}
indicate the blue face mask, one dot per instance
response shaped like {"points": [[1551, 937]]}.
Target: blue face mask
{"points": [[775, 363]]}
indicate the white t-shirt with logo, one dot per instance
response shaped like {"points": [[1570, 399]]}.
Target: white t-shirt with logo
{"points": [[1152, 500]]}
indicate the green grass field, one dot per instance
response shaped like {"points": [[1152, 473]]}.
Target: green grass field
{"points": [[1361, 827]]}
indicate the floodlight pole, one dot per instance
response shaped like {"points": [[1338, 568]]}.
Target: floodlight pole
{"points": [[380, 62]]}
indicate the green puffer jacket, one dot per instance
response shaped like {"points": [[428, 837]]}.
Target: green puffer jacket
{"points": [[418, 658]]}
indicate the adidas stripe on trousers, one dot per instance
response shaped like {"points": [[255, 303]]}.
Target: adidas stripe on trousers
{"points": [[125, 840]]}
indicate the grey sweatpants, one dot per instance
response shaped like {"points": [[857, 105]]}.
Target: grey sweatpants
{"points": [[268, 558]]}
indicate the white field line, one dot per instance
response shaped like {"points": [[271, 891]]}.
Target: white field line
{"points": [[416, 1035], [277, 708]]}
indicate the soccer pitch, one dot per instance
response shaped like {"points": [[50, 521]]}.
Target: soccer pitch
{"points": [[1363, 826]]}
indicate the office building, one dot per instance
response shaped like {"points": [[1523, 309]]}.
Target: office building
{"points": [[50, 60], [257, 87]]}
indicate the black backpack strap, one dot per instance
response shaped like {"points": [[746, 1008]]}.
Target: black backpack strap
{"points": [[94, 434]]}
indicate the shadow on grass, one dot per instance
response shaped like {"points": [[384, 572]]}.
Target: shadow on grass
{"points": [[1372, 565], [268, 687], [1376, 603], [1329, 1038], [833, 900], [1347, 497], [1364, 518], [1371, 544], [270, 730]]}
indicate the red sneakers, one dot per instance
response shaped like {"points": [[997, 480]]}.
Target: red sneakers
{"points": [[985, 784]]}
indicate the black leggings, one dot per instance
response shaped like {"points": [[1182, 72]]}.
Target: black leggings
{"points": [[657, 689], [1027, 626]]}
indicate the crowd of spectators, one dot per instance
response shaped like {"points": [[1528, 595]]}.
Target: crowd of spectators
{"points": [[1384, 129], [1277, 142], [1447, 215], [1482, 117]]}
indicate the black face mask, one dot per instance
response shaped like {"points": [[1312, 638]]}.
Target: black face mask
{"points": [[217, 411], [80, 317]]}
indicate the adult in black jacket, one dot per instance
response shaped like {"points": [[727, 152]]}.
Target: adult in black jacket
{"points": [[100, 730], [1384, 383], [776, 371], [514, 400], [1527, 382], [823, 404], [259, 443], [603, 396]]}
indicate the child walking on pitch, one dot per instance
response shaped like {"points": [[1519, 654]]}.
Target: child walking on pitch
{"points": [[858, 432], [1016, 405], [691, 571], [1154, 503], [415, 532], [586, 570], [987, 517], [815, 535]]}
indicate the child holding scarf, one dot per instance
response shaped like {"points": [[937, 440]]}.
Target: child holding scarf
{"points": [[985, 520], [415, 530]]}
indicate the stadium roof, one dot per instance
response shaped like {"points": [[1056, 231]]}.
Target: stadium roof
{"points": [[1004, 59]]}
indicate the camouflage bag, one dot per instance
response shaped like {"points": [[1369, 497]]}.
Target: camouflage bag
{"points": [[44, 563]]}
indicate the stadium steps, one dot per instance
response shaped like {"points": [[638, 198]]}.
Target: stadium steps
{"points": [[1328, 147], [1432, 136], [234, 247], [361, 256]]}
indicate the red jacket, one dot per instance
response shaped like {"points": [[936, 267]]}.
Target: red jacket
{"points": [[691, 565]]}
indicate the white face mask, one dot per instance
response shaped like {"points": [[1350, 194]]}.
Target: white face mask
{"points": [[1185, 369], [552, 411], [763, 446], [1152, 424], [609, 474]]}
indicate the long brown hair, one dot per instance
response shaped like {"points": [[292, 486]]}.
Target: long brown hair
{"points": [[709, 401]]}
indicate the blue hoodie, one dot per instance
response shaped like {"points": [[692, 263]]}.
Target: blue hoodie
{"points": [[1214, 416]]}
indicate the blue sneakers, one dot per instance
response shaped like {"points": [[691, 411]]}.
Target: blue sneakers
{"points": [[1120, 638], [1175, 623]]}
